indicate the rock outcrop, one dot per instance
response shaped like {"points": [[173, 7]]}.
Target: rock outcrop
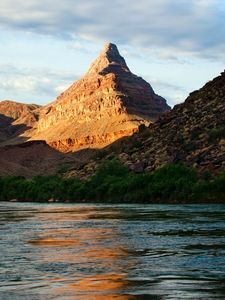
{"points": [[109, 102]]}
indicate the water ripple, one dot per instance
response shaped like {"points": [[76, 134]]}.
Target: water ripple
{"points": [[125, 252]]}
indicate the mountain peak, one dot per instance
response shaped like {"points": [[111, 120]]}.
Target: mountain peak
{"points": [[108, 61], [109, 102], [110, 47]]}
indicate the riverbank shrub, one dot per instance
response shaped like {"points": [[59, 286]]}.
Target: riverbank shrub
{"points": [[114, 182]]}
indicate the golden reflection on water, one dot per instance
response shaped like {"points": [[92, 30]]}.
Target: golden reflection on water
{"points": [[54, 242], [101, 284], [85, 248]]}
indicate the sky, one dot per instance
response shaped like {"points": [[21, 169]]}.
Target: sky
{"points": [[176, 45]]}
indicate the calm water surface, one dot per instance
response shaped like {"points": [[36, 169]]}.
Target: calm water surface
{"points": [[79, 251]]}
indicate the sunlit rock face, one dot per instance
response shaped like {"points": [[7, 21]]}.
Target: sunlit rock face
{"points": [[109, 102]]}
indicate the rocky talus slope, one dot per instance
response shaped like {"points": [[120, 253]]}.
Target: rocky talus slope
{"points": [[192, 133]]}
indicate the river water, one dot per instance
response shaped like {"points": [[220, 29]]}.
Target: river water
{"points": [[122, 252]]}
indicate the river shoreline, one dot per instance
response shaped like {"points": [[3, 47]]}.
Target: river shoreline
{"points": [[169, 202]]}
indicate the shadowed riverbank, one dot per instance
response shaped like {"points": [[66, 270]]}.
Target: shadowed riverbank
{"points": [[115, 183]]}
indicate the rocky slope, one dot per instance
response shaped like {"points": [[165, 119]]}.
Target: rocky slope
{"points": [[192, 133], [109, 102]]}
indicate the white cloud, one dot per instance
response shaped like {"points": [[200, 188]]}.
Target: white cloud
{"points": [[188, 26], [36, 83], [179, 42]]}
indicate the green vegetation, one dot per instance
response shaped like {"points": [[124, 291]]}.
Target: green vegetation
{"points": [[217, 133], [113, 182]]}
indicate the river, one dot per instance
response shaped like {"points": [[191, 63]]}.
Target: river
{"points": [[121, 252]]}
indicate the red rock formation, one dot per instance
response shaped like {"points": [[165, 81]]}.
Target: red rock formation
{"points": [[20, 113], [107, 103]]}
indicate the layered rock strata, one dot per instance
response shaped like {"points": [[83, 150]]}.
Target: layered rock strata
{"points": [[109, 102]]}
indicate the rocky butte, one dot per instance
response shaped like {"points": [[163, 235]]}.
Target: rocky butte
{"points": [[108, 103]]}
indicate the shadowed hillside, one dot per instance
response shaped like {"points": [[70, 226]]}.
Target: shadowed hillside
{"points": [[192, 133]]}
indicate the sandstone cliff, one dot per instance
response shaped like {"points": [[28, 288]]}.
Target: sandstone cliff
{"points": [[109, 102]]}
